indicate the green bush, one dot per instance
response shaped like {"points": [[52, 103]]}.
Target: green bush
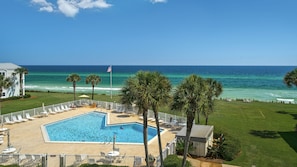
{"points": [[13, 165], [27, 96], [231, 148], [174, 161], [224, 147], [180, 146], [96, 165]]}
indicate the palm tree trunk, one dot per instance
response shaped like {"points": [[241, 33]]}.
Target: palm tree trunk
{"points": [[92, 92], [159, 137], [206, 120], [190, 119], [145, 136], [21, 85], [198, 116], [73, 91]]}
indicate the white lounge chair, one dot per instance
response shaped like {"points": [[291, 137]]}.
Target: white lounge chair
{"points": [[29, 117], [51, 111], [8, 121], [67, 108], [21, 118], [60, 108], [44, 113], [14, 119], [57, 109]]}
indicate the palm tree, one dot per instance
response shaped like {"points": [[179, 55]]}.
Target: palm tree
{"points": [[137, 90], [74, 78], [94, 80], [21, 71], [159, 95], [290, 78], [187, 98], [4, 84], [212, 89]]}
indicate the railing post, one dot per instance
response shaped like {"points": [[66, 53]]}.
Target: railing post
{"points": [[62, 160], [44, 160]]}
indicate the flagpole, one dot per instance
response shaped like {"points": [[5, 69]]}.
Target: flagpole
{"points": [[110, 77]]}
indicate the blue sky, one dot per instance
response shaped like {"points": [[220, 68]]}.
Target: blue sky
{"points": [[148, 32]]}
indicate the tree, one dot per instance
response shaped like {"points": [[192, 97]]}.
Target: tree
{"points": [[74, 78], [290, 78], [21, 71], [137, 90], [187, 98], [94, 80], [160, 93], [4, 84], [211, 90]]}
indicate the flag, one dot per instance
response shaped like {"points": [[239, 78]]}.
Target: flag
{"points": [[109, 69]]}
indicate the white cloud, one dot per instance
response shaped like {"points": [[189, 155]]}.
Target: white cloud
{"points": [[44, 5], [93, 4], [158, 1], [68, 8], [46, 8], [71, 8]]}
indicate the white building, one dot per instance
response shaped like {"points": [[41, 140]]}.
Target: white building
{"points": [[7, 70], [201, 137]]}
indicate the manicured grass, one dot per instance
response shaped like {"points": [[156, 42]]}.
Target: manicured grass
{"points": [[266, 130], [37, 98]]}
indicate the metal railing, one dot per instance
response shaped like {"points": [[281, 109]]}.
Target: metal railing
{"points": [[63, 160]]}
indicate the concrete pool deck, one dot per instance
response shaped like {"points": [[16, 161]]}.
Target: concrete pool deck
{"points": [[27, 136]]}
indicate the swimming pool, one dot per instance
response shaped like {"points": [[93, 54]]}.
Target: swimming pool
{"points": [[92, 127]]}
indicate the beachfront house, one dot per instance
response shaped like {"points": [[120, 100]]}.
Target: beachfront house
{"points": [[7, 70], [201, 137]]}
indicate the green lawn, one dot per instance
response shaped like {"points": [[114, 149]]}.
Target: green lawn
{"points": [[266, 130]]}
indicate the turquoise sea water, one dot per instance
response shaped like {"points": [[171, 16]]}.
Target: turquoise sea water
{"points": [[264, 83]]}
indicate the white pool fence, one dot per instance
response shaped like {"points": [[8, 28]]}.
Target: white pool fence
{"points": [[62, 160]]}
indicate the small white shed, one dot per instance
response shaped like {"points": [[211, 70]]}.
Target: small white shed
{"points": [[201, 137]]}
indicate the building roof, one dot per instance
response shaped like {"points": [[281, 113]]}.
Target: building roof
{"points": [[8, 66], [198, 133]]}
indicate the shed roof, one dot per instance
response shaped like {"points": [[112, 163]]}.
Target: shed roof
{"points": [[198, 132], [8, 66]]}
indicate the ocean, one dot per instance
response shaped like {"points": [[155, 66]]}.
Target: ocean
{"points": [[263, 83]]}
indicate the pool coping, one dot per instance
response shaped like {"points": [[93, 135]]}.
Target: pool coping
{"points": [[107, 123]]}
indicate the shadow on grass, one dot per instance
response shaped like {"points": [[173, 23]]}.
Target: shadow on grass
{"points": [[294, 116], [267, 134], [290, 138], [282, 112], [285, 112]]}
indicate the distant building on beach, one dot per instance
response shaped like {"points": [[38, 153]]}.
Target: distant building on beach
{"points": [[7, 70]]}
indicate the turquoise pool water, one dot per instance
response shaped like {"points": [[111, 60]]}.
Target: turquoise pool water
{"points": [[92, 127]]}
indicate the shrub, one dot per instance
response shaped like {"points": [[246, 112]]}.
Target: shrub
{"points": [[180, 147], [231, 148], [13, 165], [96, 165], [224, 147], [174, 161], [27, 96]]}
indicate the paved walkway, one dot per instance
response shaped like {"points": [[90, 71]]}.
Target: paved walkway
{"points": [[27, 137]]}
